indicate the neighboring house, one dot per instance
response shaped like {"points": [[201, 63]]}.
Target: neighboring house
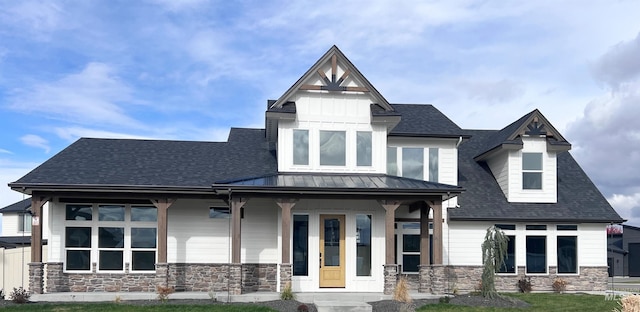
{"points": [[342, 191], [624, 252], [15, 243]]}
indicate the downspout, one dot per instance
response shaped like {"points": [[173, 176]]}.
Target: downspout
{"points": [[459, 141], [230, 246]]}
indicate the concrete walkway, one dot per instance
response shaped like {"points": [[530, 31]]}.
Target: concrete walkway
{"points": [[219, 296]]}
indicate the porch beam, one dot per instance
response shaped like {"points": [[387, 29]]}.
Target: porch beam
{"points": [[37, 202], [236, 206], [424, 234], [286, 205], [162, 205], [436, 205], [389, 228]]}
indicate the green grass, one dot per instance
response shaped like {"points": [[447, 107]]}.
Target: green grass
{"points": [[541, 302], [123, 307]]}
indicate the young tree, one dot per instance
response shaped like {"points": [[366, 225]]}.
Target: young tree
{"points": [[494, 251]]}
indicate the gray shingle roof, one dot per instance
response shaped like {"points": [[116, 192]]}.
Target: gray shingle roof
{"points": [[578, 198], [424, 120], [20, 206], [156, 162]]}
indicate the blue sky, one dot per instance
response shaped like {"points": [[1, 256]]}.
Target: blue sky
{"points": [[191, 69]]}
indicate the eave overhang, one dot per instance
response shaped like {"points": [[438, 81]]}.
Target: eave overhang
{"points": [[108, 188]]}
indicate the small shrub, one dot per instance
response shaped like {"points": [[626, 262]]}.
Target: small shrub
{"points": [[401, 293], [524, 284], [559, 285], [444, 299], [303, 308], [118, 299], [2, 294], [20, 295], [287, 292], [164, 292], [629, 303]]}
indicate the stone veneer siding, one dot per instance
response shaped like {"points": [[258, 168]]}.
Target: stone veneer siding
{"points": [[466, 279], [36, 277], [202, 277]]}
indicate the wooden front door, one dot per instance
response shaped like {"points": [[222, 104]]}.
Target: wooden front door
{"points": [[332, 251]]}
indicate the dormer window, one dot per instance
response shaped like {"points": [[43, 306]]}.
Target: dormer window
{"points": [[531, 171], [413, 163], [301, 147], [332, 148]]}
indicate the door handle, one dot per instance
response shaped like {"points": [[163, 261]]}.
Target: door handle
{"points": [[321, 260]]}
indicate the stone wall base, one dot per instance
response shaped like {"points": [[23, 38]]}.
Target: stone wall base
{"points": [[204, 277], [465, 279], [36, 277], [390, 278]]}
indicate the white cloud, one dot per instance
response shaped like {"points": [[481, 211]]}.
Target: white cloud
{"points": [[92, 96], [35, 17], [74, 133], [491, 91], [35, 141], [10, 171], [620, 64], [627, 206], [4, 151]]}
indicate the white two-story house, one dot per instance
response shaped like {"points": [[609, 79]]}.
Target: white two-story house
{"points": [[341, 191]]}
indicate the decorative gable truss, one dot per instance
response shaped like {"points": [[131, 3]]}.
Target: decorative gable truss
{"points": [[333, 74]]}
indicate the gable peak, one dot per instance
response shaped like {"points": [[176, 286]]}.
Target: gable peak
{"points": [[333, 72]]}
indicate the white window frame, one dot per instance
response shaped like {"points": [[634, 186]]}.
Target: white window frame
{"points": [[95, 225], [24, 222], [568, 233], [400, 232], [540, 171]]}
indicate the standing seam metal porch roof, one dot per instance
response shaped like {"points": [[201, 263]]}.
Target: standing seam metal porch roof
{"points": [[323, 182]]}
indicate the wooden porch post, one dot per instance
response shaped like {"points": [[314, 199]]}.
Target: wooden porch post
{"points": [[36, 226], [436, 205], [236, 205], [286, 205], [424, 234], [389, 229], [162, 205]]}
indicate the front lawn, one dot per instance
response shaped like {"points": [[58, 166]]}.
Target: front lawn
{"points": [[541, 302]]}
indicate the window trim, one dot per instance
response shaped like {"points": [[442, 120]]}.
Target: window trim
{"points": [[94, 250], [577, 259], [293, 149], [24, 222], [546, 254]]}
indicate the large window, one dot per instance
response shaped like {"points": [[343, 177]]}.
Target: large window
{"points": [[300, 147], [24, 222], [509, 265], [300, 242], [363, 245], [332, 148], [392, 161], [567, 254], [123, 233], [433, 164], [363, 139], [536, 254], [408, 246], [413, 163], [532, 171]]}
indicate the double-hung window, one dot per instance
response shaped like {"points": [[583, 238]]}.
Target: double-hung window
{"points": [[301, 147], [532, 171]]}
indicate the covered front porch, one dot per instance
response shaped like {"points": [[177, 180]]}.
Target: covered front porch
{"points": [[337, 232]]}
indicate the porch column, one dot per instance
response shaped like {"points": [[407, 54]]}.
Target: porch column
{"points": [[285, 264], [436, 205], [36, 267], [390, 267], [424, 277], [162, 267], [235, 269]]}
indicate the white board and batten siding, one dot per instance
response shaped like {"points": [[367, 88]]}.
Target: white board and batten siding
{"points": [[347, 112], [466, 238], [447, 156]]}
